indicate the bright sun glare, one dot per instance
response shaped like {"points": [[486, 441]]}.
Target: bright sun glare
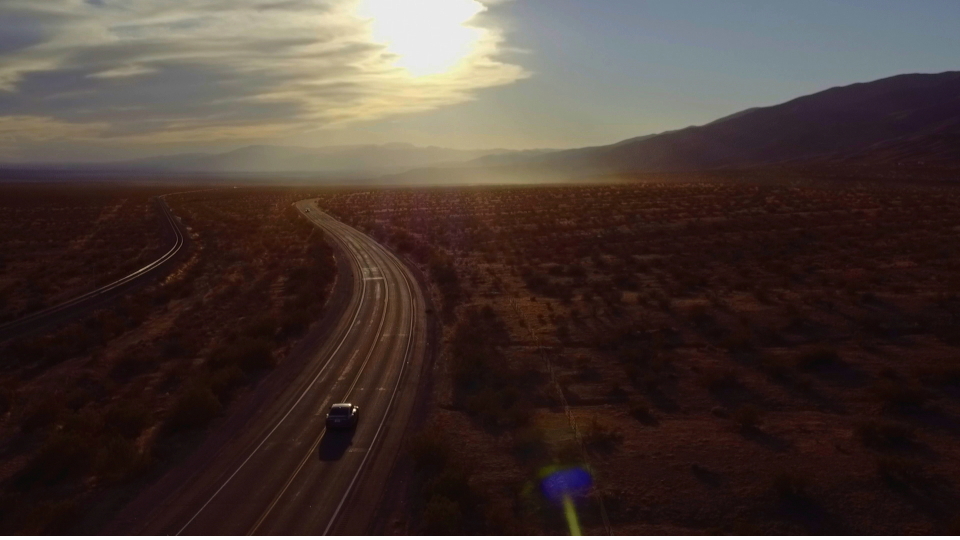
{"points": [[428, 37]]}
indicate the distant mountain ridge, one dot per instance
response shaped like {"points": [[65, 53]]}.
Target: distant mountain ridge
{"points": [[374, 159], [351, 161], [902, 118]]}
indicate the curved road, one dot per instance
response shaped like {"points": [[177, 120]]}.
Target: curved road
{"points": [[61, 312], [283, 473]]}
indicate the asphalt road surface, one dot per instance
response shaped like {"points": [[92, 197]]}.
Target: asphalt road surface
{"points": [[282, 472]]}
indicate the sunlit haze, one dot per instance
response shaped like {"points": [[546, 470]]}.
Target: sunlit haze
{"points": [[429, 37], [119, 79]]}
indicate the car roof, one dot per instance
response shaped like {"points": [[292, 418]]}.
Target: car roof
{"points": [[339, 405]]}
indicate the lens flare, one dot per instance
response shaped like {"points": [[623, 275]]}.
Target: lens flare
{"points": [[563, 486]]}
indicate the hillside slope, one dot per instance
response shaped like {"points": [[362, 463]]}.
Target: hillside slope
{"points": [[906, 119]]}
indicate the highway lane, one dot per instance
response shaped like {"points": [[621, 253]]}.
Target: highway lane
{"points": [[283, 473]]}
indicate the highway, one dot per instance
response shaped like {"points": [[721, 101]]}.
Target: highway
{"points": [[84, 302], [279, 471]]}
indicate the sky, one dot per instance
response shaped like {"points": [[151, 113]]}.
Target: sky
{"points": [[116, 79]]}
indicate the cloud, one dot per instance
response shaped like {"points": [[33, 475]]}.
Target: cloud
{"points": [[18, 132], [156, 70]]}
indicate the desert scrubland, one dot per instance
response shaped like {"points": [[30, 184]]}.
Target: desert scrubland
{"points": [[59, 241], [737, 357]]}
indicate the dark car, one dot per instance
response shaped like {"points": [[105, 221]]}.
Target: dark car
{"points": [[343, 416]]}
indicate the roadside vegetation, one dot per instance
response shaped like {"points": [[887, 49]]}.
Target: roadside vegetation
{"points": [[93, 409], [748, 357]]}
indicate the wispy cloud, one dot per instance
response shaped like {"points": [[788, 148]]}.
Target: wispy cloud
{"points": [[159, 70]]}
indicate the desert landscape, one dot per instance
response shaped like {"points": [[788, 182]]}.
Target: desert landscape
{"points": [[479, 267], [764, 352], [740, 358]]}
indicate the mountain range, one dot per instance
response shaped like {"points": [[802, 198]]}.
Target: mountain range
{"points": [[357, 161], [911, 120], [905, 120], [898, 119]]}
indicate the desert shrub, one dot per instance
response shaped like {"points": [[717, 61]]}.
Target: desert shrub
{"points": [[637, 353], [246, 353], [132, 364], [499, 408], [617, 393], [263, 326], [127, 418], [952, 528], [762, 294], [900, 473], [7, 399], [747, 417], [791, 486], [537, 283], [442, 517], [295, 322], [429, 450], [194, 409], [453, 483], [775, 366], [640, 410], [172, 347], [563, 332], [491, 392], [718, 378], [40, 414], [529, 443], [738, 339], [443, 484], [118, 458], [65, 454], [663, 302], [589, 373], [885, 434], [948, 375], [225, 381], [818, 357], [444, 274], [50, 518], [601, 438], [897, 395]]}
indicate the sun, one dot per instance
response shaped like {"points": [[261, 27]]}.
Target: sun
{"points": [[427, 37]]}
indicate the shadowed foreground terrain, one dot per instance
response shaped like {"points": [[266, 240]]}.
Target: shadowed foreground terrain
{"points": [[777, 358], [94, 408]]}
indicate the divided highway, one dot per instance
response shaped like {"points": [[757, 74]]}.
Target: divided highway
{"points": [[281, 471]]}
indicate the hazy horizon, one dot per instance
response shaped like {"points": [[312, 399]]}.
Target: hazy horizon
{"points": [[101, 80]]}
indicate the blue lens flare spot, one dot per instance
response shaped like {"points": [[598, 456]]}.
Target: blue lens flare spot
{"points": [[562, 483]]}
